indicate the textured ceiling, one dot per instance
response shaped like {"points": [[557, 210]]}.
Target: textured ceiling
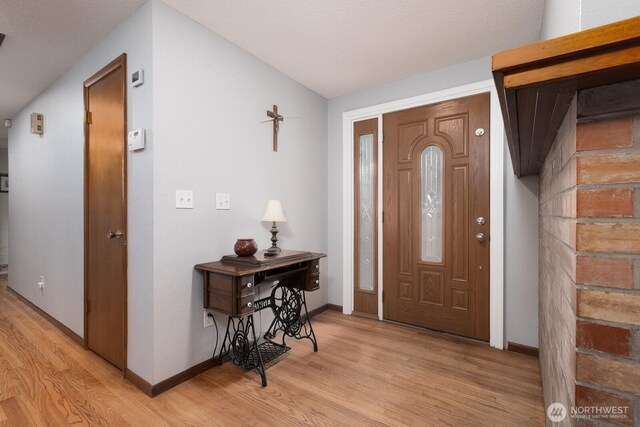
{"points": [[331, 46], [340, 46], [44, 38]]}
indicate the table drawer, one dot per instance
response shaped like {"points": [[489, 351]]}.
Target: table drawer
{"points": [[245, 286], [314, 267], [314, 283], [244, 305]]}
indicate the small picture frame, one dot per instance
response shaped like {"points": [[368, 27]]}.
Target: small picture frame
{"points": [[4, 183]]}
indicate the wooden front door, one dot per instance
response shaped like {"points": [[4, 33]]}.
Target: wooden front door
{"points": [[105, 213], [436, 216]]}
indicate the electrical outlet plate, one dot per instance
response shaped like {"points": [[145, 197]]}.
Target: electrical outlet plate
{"points": [[184, 199], [208, 321], [223, 201]]}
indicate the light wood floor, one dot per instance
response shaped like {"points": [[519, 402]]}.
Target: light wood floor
{"points": [[366, 373]]}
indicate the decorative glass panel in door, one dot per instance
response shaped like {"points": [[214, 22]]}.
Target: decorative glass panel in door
{"points": [[365, 237], [366, 217], [431, 204]]}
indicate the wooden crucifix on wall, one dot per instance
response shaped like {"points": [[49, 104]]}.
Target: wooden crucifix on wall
{"points": [[276, 119]]}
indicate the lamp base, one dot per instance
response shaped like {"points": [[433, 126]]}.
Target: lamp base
{"points": [[272, 251]]}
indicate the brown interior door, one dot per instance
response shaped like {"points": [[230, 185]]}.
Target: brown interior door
{"points": [[105, 213], [365, 154], [436, 216]]}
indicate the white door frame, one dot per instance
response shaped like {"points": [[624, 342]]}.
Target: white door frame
{"points": [[496, 202]]}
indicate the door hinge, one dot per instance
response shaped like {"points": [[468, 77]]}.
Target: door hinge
{"points": [[383, 217], [88, 119], [86, 306]]}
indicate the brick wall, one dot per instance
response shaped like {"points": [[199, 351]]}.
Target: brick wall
{"points": [[590, 266], [557, 299], [607, 264]]}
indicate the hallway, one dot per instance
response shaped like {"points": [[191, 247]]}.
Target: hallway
{"points": [[365, 373]]}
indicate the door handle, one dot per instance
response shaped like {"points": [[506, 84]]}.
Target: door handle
{"points": [[114, 234], [480, 237]]}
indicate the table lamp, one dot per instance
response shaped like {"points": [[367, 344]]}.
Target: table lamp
{"points": [[274, 213]]}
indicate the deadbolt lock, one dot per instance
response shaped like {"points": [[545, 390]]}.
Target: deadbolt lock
{"points": [[115, 234], [480, 220]]}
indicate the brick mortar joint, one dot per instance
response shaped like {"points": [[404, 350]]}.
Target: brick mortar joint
{"points": [[609, 356], [607, 220], [608, 152], [606, 186], [610, 290], [635, 343], [558, 194], [599, 387], [607, 255]]}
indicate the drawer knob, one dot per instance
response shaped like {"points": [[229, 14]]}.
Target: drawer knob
{"points": [[249, 285], [249, 304], [317, 282], [317, 266]]}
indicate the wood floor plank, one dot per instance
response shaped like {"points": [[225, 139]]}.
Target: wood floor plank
{"points": [[366, 373], [19, 415]]}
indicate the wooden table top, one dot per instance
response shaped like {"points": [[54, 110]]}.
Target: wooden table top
{"points": [[233, 265]]}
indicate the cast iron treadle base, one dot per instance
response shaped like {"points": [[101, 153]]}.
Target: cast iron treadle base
{"points": [[269, 351]]}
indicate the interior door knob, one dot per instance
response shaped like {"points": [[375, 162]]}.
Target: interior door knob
{"points": [[115, 234], [480, 237]]}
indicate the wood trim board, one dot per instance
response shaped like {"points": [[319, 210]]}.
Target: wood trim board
{"points": [[537, 82], [68, 332], [523, 349]]}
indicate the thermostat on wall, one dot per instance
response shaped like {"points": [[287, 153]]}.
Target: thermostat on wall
{"points": [[137, 77], [135, 140]]}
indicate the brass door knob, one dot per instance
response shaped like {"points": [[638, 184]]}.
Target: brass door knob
{"points": [[480, 237]]}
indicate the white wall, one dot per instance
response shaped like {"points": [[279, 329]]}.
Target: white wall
{"points": [[4, 209], [560, 17], [46, 211], [524, 257], [601, 12], [563, 17], [521, 252], [209, 99]]}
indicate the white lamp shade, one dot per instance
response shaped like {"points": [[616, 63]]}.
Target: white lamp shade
{"points": [[274, 212]]}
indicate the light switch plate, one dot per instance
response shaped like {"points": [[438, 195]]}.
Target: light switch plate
{"points": [[137, 78], [184, 199], [223, 201]]}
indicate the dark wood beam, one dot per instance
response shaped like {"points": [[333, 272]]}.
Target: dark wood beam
{"points": [[537, 82]]}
